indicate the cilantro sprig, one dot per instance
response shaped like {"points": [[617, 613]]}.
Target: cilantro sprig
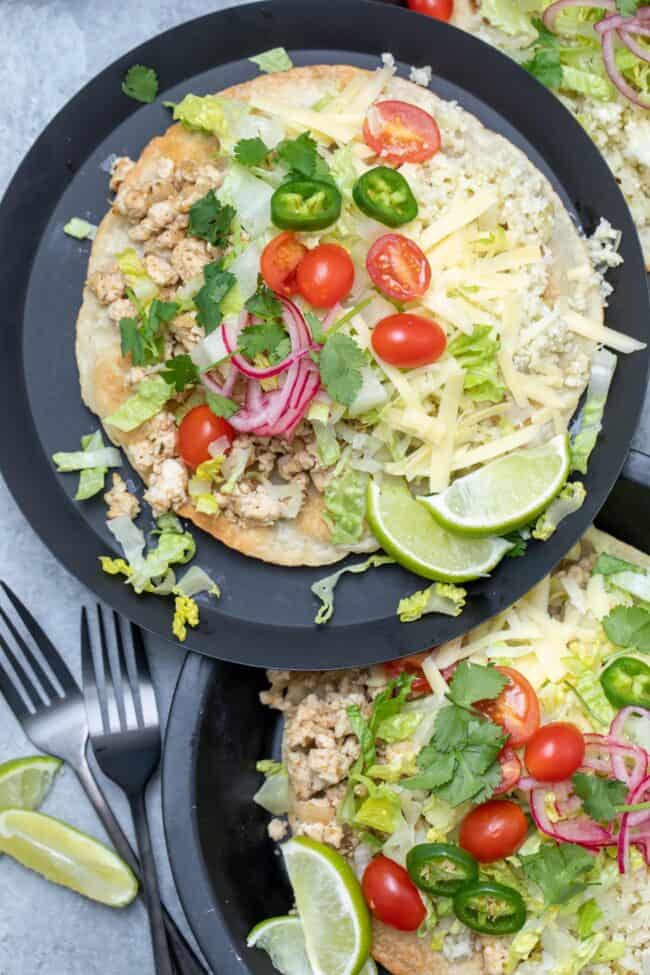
{"points": [[299, 157], [628, 627], [141, 337], [180, 372], [221, 405], [217, 284], [600, 797], [545, 64], [461, 760], [140, 83], [251, 152], [387, 704], [268, 336], [210, 219], [558, 870]]}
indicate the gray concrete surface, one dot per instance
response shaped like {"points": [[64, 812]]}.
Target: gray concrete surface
{"points": [[50, 49]]}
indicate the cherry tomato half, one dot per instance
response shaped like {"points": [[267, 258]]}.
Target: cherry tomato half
{"points": [[438, 9], [199, 428], [493, 830], [555, 751], [325, 275], [408, 340], [279, 263], [410, 665], [399, 132], [510, 771], [398, 267], [516, 708], [391, 895]]}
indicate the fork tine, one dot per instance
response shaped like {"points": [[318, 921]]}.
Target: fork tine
{"points": [[42, 641], [114, 714], [10, 693], [125, 682], [144, 682], [95, 711], [31, 658], [27, 685]]}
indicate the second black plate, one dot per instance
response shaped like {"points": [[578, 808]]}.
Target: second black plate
{"points": [[265, 616]]}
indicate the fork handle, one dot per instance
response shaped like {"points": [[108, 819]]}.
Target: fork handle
{"points": [[186, 961], [162, 958]]}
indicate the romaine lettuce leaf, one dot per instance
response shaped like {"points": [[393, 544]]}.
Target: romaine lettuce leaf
{"points": [[569, 500], [509, 17], [148, 399], [324, 588], [205, 113], [80, 229], [590, 421], [399, 727], [441, 597], [136, 275], [477, 354], [345, 506], [276, 59], [92, 461]]}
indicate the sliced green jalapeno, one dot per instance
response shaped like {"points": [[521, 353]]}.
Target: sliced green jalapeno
{"points": [[440, 868], [305, 204], [627, 681], [383, 194], [490, 908]]}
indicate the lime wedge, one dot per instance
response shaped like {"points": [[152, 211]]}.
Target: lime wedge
{"points": [[334, 914], [505, 494], [24, 782], [283, 939], [66, 856], [407, 531]]}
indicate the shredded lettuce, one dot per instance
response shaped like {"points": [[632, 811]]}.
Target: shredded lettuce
{"points": [[569, 500], [584, 440], [80, 229], [328, 446], [380, 810], [276, 59], [442, 818], [250, 196], [508, 16], [372, 395], [273, 795], [399, 727], [197, 580], [206, 113], [441, 597], [234, 466], [477, 354], [393, 771], [148, 399], [136, 275], [92, 462], [584, 682], [343, 169], [186, 613], [345, 506], [324, 588]]}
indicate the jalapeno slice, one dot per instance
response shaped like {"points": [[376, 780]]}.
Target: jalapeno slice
{"points": [[383, 194], [627, 681], [305, 204], [441, 868], [490, 908]]}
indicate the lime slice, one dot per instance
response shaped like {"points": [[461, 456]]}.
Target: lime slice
{"points": [[283, 939], [66, 856], [407, 531], [334, 914], [505, 494], [24, 782]]}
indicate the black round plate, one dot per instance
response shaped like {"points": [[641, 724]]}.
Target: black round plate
{"points": [[265, 614], [227, 871]]}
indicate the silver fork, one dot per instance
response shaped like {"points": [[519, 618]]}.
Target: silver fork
{"points": [[51, 710], [125, 734]]}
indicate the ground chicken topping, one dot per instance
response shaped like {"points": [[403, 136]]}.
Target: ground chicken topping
{"points": [[120, 501], [107, 286], [168, 487]]}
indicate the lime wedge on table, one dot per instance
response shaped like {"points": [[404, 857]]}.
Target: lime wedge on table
{"points": [[283, 939], [66, 856], [332, 909], [407, 531], [24, 782], [505, 494]]}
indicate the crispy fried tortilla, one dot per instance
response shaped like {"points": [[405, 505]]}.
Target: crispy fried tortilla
{"points": [[103, 371]]}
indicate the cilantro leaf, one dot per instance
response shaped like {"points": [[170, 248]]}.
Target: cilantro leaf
{"points": [[140, 337], [366, 738], [267, 338], [472, 683], [519, 543], [251, 152], [461, 761], [557, 870], [386, 705], [302, 158], [208, 300], [221, 405], [627, 7], [210, 219], [264, 303], [140, 83], [610, 565], [545, 64], [629, 626], [180, 372], [599, 796], [340, 363]]}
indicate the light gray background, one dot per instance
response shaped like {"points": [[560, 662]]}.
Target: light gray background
{"points": [[50, 49]]}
